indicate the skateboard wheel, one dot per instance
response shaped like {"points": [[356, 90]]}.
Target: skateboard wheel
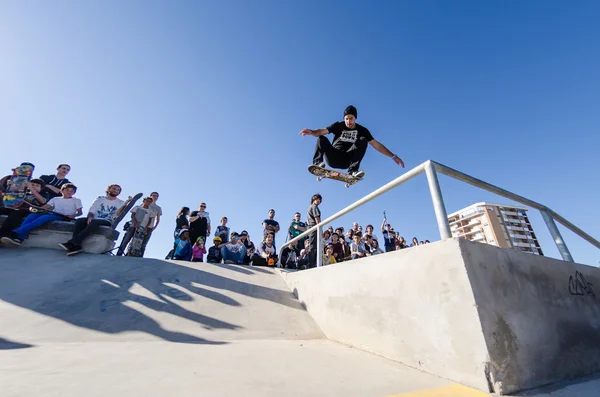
{"points": [[347, 185], [320, 178]]}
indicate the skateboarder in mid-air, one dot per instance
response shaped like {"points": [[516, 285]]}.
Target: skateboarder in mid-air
{"points": [[349, 144]]}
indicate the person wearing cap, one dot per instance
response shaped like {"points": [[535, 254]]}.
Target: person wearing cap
{"points": [[54, 182], [182, 248], [350, 141], [250, 247], [35, 196], [198, 250], [214, 252]]}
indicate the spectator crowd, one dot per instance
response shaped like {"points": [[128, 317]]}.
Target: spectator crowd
{"points": [[53, 197]]}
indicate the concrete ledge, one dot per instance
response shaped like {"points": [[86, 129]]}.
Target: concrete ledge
{"points": [[490, 318], [56, 232]]}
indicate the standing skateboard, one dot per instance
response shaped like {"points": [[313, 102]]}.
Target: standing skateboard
{"points": [[125, 208], [321, 173], [135, 245], [16, 189]]}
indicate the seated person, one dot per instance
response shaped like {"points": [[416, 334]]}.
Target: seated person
{"points": [[103, 212], [357, 249], [214, 252], [234, 251], [182, 248], [302, 259], [65, 207], [375, 250], [198, 250], [250, 248], [266, 254], [338, 248], [15, 216], [328, 258]]}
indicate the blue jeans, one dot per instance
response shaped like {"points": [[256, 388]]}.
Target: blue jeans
{"points": [[236, 257], [33, 221]]}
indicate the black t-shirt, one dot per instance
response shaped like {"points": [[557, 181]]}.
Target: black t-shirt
{"points": [[313, 213], [249, 247], [271, 222], [200, 224], [214, 254], [344, 137], [181, 221], [52, 180]]}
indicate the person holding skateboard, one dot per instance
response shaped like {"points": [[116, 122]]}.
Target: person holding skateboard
{"points": [[349, 144]]}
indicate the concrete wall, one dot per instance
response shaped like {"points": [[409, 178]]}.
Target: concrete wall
{"points": [[491, 318], [414, 306], [540, 316], [54, 233]]}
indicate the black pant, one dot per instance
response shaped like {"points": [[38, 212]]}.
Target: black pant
{"points": [[83, 230], [258, 260], [337, 158], [195, 233], [13, 220], [146, 239], [312, 250], [126, 239]]}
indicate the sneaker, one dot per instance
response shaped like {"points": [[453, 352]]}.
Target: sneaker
{"points": [[75, 250], [321, 164], [14, 241], [358, 174], [66, 246]]}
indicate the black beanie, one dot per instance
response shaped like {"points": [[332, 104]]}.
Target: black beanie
{"points": [[351, 110]]}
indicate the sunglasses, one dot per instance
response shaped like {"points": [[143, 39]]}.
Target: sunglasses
{"points": [[202, 206]]}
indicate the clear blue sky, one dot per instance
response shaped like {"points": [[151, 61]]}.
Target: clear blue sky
{"points": [[203, 101]]}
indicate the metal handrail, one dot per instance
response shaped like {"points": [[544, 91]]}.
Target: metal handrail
{"points": [[431, 168]]}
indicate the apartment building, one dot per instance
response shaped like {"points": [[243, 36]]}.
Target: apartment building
{"points": [[504, 226]]}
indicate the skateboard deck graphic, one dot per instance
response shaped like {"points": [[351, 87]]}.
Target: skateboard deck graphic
{"points": [[321, 173], [135, 245], [17, 190]]}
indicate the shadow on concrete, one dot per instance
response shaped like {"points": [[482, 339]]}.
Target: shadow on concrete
{"points": [[244, 269], [112, 294], [5, 344], [587, 386]]}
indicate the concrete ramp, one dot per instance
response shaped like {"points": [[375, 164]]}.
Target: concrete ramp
{"points": [[100, 297], [97, 325], [494, 319]]}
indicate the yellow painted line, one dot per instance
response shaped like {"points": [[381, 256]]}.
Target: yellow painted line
{"points": [[446, 391]]}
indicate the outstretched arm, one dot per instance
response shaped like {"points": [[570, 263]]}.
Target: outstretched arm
{"points": [[315, 133], [383, 150]]}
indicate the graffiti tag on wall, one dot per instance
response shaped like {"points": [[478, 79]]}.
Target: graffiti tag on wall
{"points": [[579, 286]]}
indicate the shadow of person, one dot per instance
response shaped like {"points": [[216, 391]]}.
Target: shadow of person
{"points": [[6, 344]]}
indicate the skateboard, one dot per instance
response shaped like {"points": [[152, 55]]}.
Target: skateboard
{"points": [[135, 245], [34, 209], [125, 208], [16, 190], [321, 173]]}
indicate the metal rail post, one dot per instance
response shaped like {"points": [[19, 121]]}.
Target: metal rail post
{"points": [[319, 245], [438, 201], [556, 236]]}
